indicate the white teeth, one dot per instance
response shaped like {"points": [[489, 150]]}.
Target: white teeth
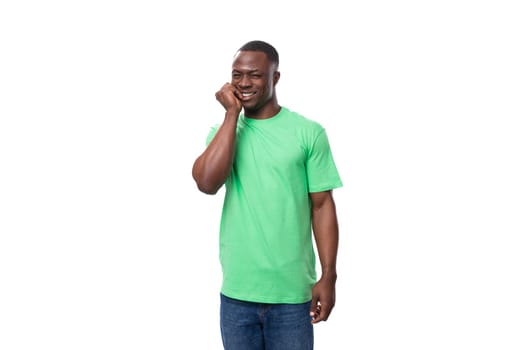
{"points": [[247, 94]]}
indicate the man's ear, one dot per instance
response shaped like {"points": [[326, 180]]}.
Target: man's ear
{"points": [[276, 76]]}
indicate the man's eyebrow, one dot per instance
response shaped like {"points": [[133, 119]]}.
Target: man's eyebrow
{"points": [[246, 70]]}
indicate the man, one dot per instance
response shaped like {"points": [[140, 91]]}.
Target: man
{"points": [[278, 172]]}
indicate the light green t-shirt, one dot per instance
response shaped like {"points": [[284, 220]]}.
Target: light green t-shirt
{"points": [[266, 244]]}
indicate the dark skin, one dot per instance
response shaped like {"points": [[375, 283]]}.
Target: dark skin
{"points": [[252, 88]]}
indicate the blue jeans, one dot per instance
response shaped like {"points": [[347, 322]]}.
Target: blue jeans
{"points": [[258, 326]]}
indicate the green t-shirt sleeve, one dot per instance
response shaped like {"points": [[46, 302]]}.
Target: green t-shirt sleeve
{"points": [[322, 174], [211, 134]]}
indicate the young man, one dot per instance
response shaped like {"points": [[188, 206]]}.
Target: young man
{"points": [[278, 172]]}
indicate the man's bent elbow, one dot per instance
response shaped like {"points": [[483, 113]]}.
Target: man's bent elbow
{"points": [[207, 188], [206, 183]]}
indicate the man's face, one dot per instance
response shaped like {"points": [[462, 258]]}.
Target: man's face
{"points": [[255, 78]]}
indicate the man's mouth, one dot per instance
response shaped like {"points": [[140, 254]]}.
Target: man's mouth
{"points": [[247, 95]]}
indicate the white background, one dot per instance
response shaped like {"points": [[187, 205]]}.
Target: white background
{"points": [[105, 242]]}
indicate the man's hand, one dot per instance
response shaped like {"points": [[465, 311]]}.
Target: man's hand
{"points": [[323, 299], [229, 98]]}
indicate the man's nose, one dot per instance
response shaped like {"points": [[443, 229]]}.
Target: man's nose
{"points": [[245, 81]]}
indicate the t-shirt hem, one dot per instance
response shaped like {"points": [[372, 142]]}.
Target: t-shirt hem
{"points": [[267, 300], [325, 187]]}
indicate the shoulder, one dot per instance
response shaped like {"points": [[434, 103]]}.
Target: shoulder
{"points": [[301, 121], [298, 117]]}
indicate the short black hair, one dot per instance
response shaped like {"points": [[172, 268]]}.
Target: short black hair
{"points": [[262, 46]]}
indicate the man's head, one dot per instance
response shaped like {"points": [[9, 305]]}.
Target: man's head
{"points": [[255, 74], [261, 46]]}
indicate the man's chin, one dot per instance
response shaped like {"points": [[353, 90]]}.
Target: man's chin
{"points": [[249, 106]]}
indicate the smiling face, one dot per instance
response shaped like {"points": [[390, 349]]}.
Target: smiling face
{"points": [[255, 77]]}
